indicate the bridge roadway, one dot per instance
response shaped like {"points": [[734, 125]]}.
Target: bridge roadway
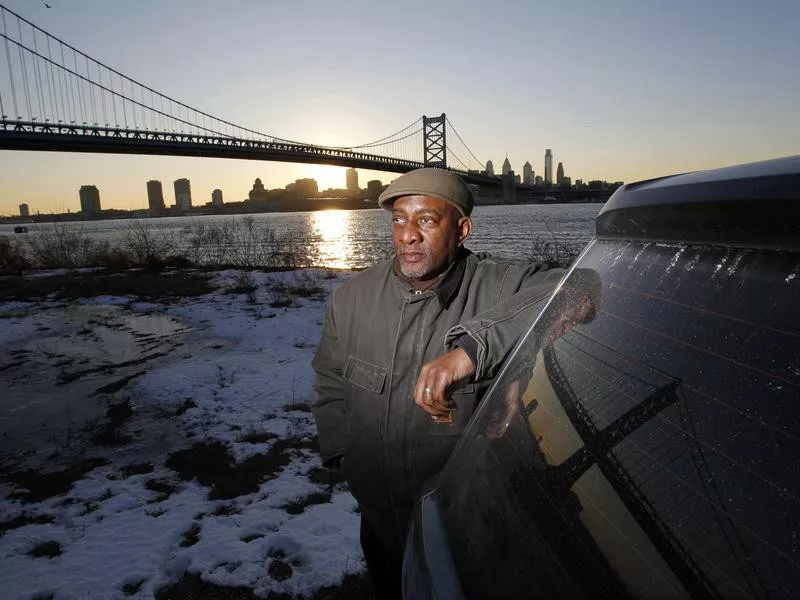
{"points": [[61, 137]]}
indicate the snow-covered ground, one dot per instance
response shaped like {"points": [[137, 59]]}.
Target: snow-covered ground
{"points": [[100, 401]]}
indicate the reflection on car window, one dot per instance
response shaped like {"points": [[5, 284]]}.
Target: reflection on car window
{"points": [[649, 450]]}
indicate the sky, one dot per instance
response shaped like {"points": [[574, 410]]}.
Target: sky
{"points": [[620, 90]]}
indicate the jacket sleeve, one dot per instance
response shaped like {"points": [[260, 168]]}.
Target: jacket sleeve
{"points": [[523, 294], [330, 410]]}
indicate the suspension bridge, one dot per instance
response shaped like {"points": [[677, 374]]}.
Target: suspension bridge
{"points": [[53, 97]]}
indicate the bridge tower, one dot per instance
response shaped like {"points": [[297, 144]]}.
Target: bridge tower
{"points": [[435, 140]]}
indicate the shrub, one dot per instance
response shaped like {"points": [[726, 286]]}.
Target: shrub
{"points": [[12, 257], [249, 244], [245, 283], [209, 243], [555, 253], [61, 246], [146, 246]]}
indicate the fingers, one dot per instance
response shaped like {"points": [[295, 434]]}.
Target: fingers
{"points": [[437, 377], [430, 396]]}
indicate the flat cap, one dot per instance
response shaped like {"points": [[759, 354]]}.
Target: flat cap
{"points": [[437, 183]]}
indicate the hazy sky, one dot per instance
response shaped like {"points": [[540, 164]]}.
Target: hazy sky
{"points": [[620, 90]]}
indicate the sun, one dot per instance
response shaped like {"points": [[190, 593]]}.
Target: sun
{"points": [[327, 176]]}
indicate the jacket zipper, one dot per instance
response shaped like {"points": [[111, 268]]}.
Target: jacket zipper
{"points": [[385, 425]]}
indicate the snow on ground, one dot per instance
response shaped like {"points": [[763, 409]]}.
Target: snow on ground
{"points": [[225, 378]]}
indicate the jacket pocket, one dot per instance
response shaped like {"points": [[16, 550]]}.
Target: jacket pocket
{"points": [[463, 402], [365, 375]]}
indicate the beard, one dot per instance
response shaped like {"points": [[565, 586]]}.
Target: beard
{"points": [[416, 270]]}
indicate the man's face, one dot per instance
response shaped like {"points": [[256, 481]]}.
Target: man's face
{"points": [[426, 233]]}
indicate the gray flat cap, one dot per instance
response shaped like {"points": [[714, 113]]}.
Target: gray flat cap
{"points": [[437, 183]]}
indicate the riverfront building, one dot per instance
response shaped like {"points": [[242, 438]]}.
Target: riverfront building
{"points": [[259, 192], [507, 167], [90, 199], [155, 196], [374, 189], [548, 167], [216, 197], [489, 168], [352, 180], [24, 211], [527, 173], [183, 194], [560, 174]]}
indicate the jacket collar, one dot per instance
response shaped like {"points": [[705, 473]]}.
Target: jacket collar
{"points": [[448, 282]]}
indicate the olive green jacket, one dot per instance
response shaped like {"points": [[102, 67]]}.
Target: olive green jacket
{"points": [[376, 336]]}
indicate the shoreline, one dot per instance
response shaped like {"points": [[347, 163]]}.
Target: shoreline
{"points": [[203, 212]]}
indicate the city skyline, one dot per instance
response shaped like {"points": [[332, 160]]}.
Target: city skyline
{"points": [[154, 200], [614, 96]]}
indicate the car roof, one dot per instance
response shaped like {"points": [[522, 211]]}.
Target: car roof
{"points": [[755, 204]]}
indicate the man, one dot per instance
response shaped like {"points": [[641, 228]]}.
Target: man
{"points": [[408, 349]]}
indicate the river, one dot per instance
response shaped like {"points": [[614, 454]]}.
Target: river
{"points": [[352, 238]]}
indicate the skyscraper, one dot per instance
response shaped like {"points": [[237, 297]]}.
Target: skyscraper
{"points": [[560, 174], [351, 177], [489, 168], [216, 198], [374, 189], [527, 173], [183, 194], [506, 167], [548, 167], [90, 199], [155, 196], [24, 211]]}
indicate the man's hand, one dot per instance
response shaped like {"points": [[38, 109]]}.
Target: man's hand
{"points": [[437, 377]]}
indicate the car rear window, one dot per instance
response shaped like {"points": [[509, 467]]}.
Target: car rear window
{"points": [[651, 450]]}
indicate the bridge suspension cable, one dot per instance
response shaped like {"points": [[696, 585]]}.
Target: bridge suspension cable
{"points": [[478, 165], [388, 138], [67, 90], [50, 81], [54, 89]]}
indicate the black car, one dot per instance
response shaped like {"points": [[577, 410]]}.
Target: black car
{"points": [[646, 445]]}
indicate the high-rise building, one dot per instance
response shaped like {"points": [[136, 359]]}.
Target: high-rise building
{"points": [[506, 167], [548, 167], [24, 211], [183, 194], [560, 174], [259, 192], [155, 196], [489, 168], [538, 180], [351, 176], [527, 173], [374, 189], [216, 197], [90, 199]]}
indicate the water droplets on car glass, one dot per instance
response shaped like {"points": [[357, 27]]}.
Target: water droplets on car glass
{"points": [[793, 275], [641, 251], [692, 262], [734, 266]]}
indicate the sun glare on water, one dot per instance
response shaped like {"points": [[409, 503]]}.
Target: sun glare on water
{"points": [[332, 227]]}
